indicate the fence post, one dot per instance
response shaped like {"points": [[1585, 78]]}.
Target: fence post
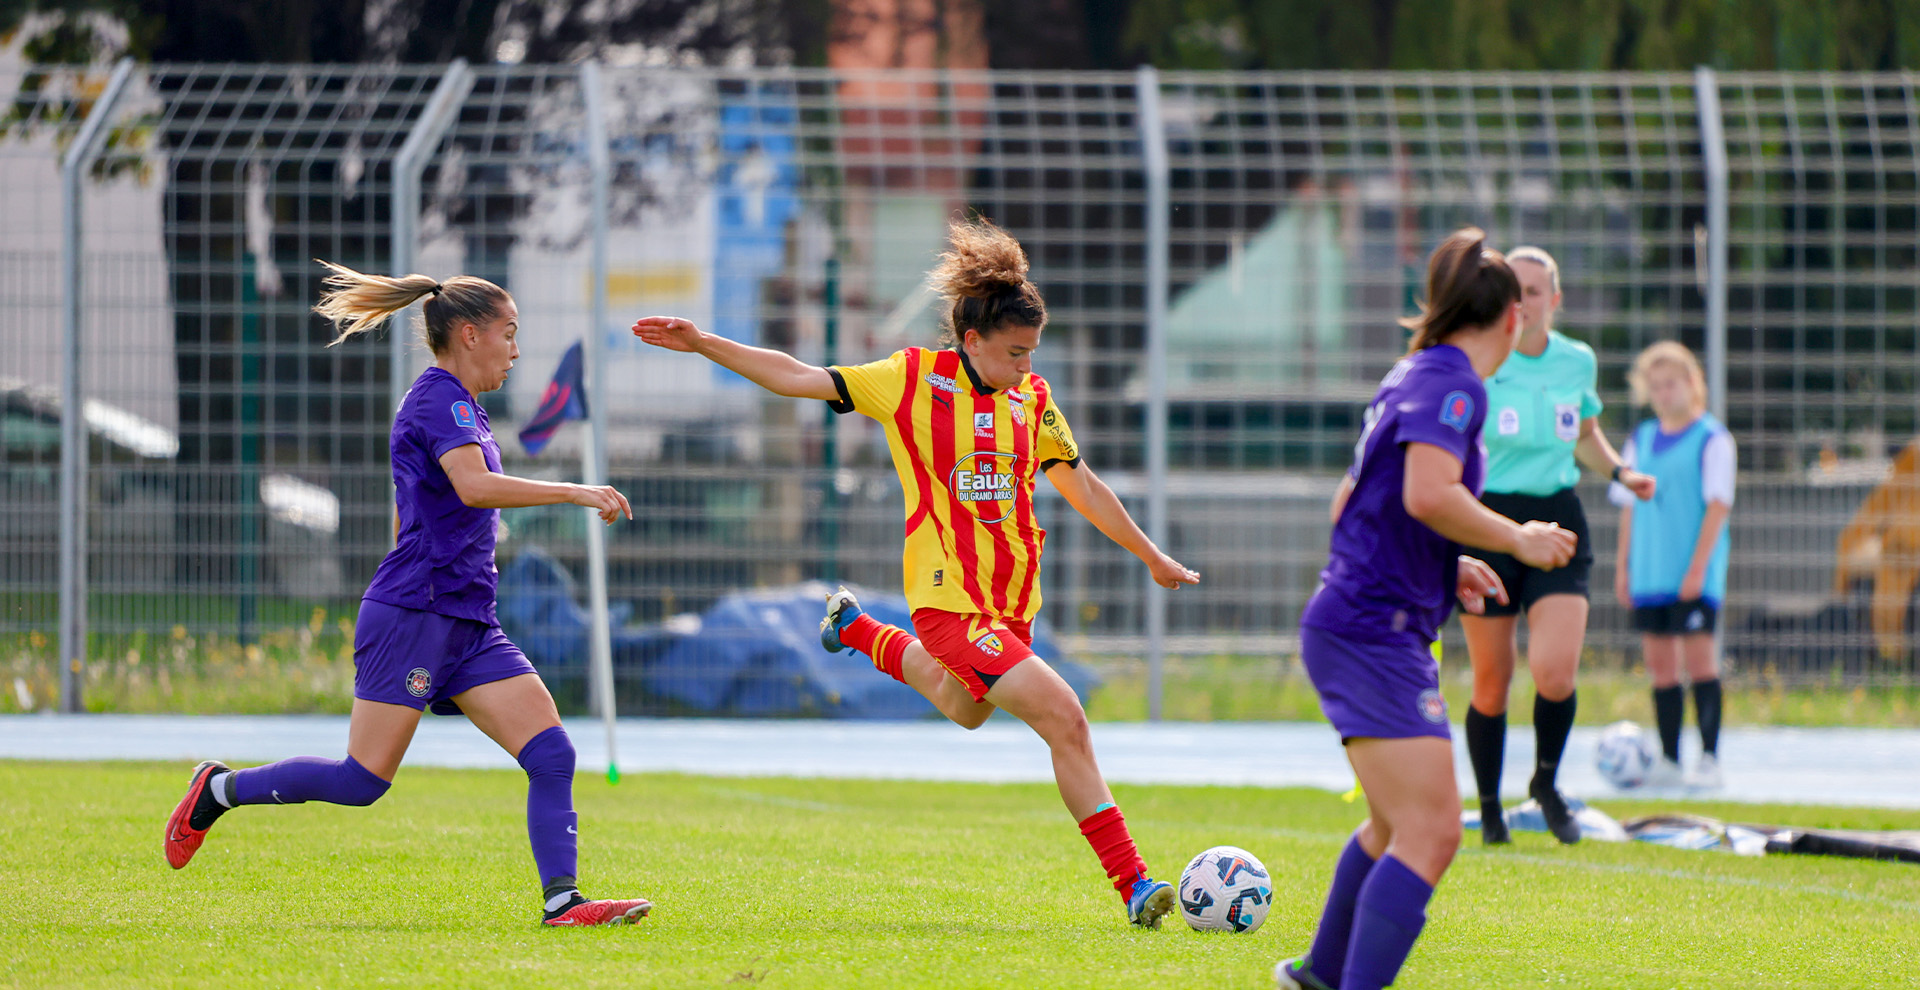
{"points": [[1153, 147], [593, 453], [73, 420], [1713, 143], [407, 167]]}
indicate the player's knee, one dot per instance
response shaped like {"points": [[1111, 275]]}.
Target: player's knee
{"points": [[1431, 846], [359, 786], [972, 717], [550, 753], [1066, 728], [1554, 685]]}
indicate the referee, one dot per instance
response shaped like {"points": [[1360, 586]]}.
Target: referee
{"points": [[1540, 427]]}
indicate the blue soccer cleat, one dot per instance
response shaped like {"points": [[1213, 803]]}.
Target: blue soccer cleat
{"points": [[1150, 901], [842, 609], [1297, 974]]}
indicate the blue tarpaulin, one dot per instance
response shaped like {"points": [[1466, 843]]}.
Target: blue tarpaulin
{"points": [[752, 653]]}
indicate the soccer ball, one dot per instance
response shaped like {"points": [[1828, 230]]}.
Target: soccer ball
{"points": [[1225, 889], [1625, 754]]}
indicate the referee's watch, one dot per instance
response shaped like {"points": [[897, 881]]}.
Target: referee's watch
{"points": [[1617, 468]]}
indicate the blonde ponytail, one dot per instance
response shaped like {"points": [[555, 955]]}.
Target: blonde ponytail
{"points": [[363, 302]]}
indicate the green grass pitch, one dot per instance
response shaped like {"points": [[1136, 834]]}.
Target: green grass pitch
{"points": [[782, 883]]}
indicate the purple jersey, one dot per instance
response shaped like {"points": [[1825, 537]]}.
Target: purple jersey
{"points": [[1388, 571], [444, 560]]}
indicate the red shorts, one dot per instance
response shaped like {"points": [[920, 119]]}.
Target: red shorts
{"points": [[973, 647]]}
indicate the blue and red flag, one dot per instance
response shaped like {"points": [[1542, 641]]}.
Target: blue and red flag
{"points": [[564, 399]]}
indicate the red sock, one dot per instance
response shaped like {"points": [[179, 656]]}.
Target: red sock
{"points": [[886, 644], [1106, 832]]}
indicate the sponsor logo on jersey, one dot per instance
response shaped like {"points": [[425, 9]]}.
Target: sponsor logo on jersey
{"points": [[419, 682], [1509, 421], [983, 424], [981, 477], [1051, 420], [1456, 410], [939, 577], [1566, 421], [1433, 707], [943, 383], [463, 415]]}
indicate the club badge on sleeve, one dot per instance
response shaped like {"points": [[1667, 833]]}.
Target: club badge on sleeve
{"points": [[1456, 410], [463, 415]]}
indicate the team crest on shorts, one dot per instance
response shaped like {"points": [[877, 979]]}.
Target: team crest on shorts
{"points": [[988, 643], [419, 682], [1433, 707]]}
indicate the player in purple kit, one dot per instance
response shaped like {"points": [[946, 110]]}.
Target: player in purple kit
{"points": [[1404, 511], [427, 634]]}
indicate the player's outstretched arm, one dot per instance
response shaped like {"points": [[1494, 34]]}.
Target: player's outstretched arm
{"points": [[478, 486], [1092, 498], [1434, 494], [776, 371]]}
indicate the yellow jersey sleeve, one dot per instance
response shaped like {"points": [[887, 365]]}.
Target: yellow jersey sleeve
{"points": [[873, 389], [1056, 437]]}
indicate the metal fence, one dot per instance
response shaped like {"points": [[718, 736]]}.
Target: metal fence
{"points": [[236, 478]]}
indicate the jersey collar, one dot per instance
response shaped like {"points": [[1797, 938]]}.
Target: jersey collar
{"points": [[979, 387]]}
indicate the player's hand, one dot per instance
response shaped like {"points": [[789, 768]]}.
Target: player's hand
{"points": [[1622, 590], [1692, 585], [1641, 485], [604, 499], [1477, 582], [1544, 545], [1170, 573], [670, 332]]}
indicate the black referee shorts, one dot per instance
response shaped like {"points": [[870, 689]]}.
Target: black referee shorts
{"points": [[1526, 585]]}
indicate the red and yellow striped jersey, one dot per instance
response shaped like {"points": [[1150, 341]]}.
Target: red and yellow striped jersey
{"points": [[967, 458]]}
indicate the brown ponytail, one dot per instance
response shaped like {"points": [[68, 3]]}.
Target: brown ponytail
{"points": [[363, 302], [1468, 285], [984, 277]]}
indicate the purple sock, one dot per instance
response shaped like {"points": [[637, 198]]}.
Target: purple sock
{"points": [[551, 823], [1329, 951], [1389, 916], [307, 778]]}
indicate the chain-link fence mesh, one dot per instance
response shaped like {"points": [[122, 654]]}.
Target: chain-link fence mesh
{"points": [[240, 486]]}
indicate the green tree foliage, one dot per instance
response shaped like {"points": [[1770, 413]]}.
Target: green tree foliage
{"points": [[1522, 34]]}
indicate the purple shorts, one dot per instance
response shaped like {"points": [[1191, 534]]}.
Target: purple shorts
{"points": [[402, 656], [1375, 689]]}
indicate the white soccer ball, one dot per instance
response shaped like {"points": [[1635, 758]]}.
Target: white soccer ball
{"points": [[1225, 889], [1625, 754]]}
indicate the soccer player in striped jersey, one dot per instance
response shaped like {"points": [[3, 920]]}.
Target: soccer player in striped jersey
{"points": [[1407, 506], [970, 427], [427, 635], [1673, 550]]}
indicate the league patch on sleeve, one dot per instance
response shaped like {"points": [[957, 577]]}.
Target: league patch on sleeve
{"points": [[463, 415], [1456, 410]]}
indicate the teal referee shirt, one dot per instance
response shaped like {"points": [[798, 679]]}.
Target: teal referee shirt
{"points": [[1534, 409]]}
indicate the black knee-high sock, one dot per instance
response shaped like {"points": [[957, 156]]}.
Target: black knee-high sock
{"points": [[1552, 720], [1669, 709], [1487, 748], [1706, 706]]}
